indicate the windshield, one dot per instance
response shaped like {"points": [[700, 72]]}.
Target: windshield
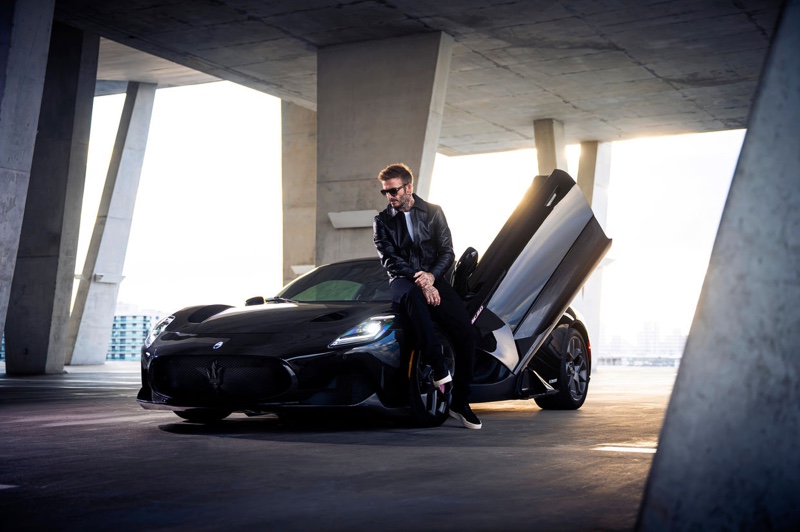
{"points": [[343, 281]]}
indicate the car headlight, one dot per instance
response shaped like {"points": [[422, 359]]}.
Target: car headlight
{"points": [[157, 329], [366, 331]]}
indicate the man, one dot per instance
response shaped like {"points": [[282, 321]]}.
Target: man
{"points": [[416, 249]]}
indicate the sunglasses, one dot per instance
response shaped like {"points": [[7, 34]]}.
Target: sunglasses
{"points": [[392, 191]]}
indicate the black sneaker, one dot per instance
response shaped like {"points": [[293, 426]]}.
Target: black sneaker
{"points": [[466, 416]]}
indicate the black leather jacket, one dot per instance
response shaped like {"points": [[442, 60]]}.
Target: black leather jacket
{"points": [[430, 251]]}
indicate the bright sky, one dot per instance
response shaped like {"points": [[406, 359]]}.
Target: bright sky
{"points": [[666, 196], [207, 226]]}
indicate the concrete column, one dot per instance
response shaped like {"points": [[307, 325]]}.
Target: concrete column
{"points": [[24, 40], [594, 172], [299, 173], [38, 315], [727, 458], [93, 313], [594, 175], [551, 148], [378, 103]]}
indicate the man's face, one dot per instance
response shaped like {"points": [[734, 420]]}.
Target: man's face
{"points": [[397, 193]]}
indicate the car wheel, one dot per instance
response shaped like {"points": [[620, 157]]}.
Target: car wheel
{"points": [[429, 403], [573, 382], [203, 415]]}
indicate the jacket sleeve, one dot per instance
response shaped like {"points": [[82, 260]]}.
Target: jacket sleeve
{"points": [[391, 261], [444, 252]]}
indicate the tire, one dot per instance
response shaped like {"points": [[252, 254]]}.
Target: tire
{"points": [[429, 404], [573, 382], [203, 415]]}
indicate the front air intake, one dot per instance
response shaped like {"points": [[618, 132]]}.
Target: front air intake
{"points": [[219, 379]]}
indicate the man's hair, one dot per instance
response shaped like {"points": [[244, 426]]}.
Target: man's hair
{"points": [[397, 170]]}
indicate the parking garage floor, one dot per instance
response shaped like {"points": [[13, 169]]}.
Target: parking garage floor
{"points": [[78, 453]]}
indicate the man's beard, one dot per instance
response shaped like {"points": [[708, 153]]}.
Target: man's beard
{"points": [[403, 205]]}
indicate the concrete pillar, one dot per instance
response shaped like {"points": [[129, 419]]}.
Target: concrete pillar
{"points": [[93, 313], [38, 315], [594, 173], [24, 40], [727, 458], [378, 103], [299, 174], [551, 148]]}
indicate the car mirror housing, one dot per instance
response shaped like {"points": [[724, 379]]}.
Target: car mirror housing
{"points": [[465, 266], [258, 300]]}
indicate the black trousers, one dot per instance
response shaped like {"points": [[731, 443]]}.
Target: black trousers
{"points": [[408, 299]]}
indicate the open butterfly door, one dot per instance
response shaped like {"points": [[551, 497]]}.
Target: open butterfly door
{"points": [[533, 269]]}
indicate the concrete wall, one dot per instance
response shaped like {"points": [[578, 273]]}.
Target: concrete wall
{"points": [[38, 315], [24, 41], [299, 180], [379, 102], [727, 457]]}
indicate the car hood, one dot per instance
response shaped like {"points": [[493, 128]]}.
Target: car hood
{"points": [[276, 318]]}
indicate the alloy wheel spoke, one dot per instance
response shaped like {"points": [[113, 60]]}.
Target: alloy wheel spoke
{"points": [[578, 380], [432, 401], [426, 400]]}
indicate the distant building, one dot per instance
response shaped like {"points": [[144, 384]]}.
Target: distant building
{"points": [[128, 334], [650, 349]]}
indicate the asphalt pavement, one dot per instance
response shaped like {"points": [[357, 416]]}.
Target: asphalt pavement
{"points": [[78, 453]]}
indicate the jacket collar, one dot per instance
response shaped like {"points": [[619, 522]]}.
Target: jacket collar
{"points": [[419, 203]]}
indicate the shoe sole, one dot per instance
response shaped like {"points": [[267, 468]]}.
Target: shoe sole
{"points": [[463, 420]]}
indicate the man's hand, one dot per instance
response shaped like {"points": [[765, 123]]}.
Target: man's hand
{"points": [[424, 279], [432, 296]]}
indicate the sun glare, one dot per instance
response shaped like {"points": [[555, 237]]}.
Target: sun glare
{"points": [[666, 197]]}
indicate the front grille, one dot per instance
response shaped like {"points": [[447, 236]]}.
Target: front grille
{"points": [[345, 389], [219, 379]]}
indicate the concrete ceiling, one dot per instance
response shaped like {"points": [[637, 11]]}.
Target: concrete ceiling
{"points": [[608, 69]]}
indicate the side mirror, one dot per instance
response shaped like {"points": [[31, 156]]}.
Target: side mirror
{"points": [[258, 300], [461, 273]]}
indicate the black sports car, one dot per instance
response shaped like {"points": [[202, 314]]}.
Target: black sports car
{"points": [[330, 339]]}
